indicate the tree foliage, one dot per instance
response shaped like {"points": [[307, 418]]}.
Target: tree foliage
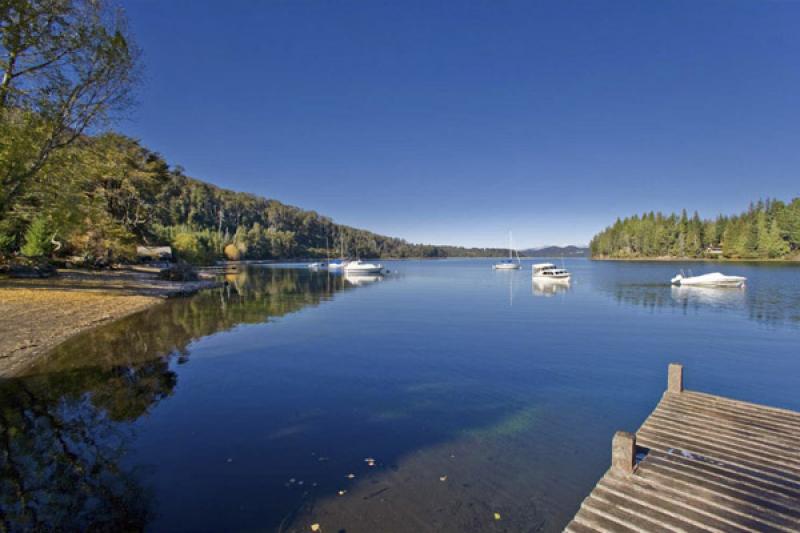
{"points": [[767, 230], [67, 65]]}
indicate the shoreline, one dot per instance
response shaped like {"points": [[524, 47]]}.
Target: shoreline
{"points": [[695, 260], [39, 314]]}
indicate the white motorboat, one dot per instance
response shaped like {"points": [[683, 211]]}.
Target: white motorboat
{"points": [[360, 267], [318, 266], [509, 264], [543, 271], [714, 279]]}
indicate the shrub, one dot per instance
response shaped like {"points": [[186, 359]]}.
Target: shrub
{"points": [[232, 252], [6, 244], [38, 239], [193, 248]]}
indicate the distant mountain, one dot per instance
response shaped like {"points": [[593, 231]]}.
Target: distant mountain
{"points": [[556, 251]]}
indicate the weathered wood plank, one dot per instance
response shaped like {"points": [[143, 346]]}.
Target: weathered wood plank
{"points": [[712, 464], [698, 471], [710, 424], [727, 445]]}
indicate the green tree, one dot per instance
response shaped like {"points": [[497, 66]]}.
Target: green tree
{"points": [[38, 239], [66, 65]]}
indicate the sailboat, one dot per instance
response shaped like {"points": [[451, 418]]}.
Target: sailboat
{"points": [[509, 264], [320, 265], [342, 262]]}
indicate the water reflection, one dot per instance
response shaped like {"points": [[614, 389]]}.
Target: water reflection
{"points": [[362, 279], [771, 296], [550, 287], [708, 296], [64, 425]]}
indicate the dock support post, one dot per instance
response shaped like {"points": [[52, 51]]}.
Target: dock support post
{"points": [[623, 452], [675, 378]]}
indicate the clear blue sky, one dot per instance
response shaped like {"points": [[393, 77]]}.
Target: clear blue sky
{"points": [[454, 122]]}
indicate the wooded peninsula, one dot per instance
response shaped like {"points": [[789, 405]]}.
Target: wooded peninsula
{"points": [[767, 230]]}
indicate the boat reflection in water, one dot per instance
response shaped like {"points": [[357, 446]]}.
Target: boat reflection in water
{"points": [[709, 296], [358, 279], [549, 287]]}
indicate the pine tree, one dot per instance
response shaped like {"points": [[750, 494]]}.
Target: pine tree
{"points": [[38, 239], [774, 243]]}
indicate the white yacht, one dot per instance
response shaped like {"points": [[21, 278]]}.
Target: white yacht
{"points": [[714, 279], [544, 271], [360, 267], [509, 264]]}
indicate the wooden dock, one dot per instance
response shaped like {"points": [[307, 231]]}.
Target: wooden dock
{"points": [[700, 463]]}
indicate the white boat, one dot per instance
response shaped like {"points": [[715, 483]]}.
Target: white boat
{"points": [[333, 265], [318, 266], [509, 264], [360, 267], [549, 271], [714, 279]]}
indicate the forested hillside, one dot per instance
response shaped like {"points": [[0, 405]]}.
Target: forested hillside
{"points": [[103, 195], [68, 70], [767, 230]]}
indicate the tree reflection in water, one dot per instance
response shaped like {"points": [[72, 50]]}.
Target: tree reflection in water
{"points": [[65, 423]]}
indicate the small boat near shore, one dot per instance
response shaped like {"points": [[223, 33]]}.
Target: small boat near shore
{"points": [[318, 266], [714, 279], [543, 271], [360, 267]]}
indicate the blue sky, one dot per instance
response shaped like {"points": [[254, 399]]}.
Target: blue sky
{"points": [[455, 122]]}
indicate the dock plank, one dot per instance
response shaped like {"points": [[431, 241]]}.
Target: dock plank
{"points": [[711, 464]]}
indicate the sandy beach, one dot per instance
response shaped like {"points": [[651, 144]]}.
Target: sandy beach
{"points": [[38, 314]]}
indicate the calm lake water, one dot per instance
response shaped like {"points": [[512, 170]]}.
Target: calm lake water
{"points": [[476, 392]]}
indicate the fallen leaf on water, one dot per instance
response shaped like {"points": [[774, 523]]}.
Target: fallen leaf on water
{"points": [[497, 516]]}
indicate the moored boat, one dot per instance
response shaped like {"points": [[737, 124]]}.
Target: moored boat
{"points": [[509, 264], [545, 271], [360, 267], [338, 266], [714, 279]]}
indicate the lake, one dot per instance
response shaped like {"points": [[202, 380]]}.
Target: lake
{"points": [[253, 407]]}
